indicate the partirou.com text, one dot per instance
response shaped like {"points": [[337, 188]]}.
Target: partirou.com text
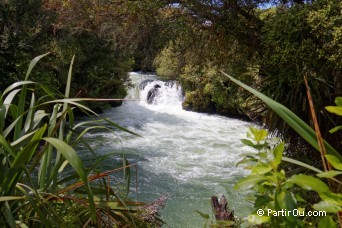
{"points": [[294, 212]]}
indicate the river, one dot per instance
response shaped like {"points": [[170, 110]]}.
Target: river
{"points": [[186, 155]]}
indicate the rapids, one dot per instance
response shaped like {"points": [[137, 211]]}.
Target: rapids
{"points": [[189, 156]]}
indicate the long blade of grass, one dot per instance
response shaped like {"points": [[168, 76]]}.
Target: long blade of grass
{"points": [[302, 164], [43, 172], [7, 146], [67, 94], [29, 118], [72, 102], [75, 161], [33, 63], [8, 100], [23, 140], [22, 97], [9, 198], [121, 128], [8, 214], [297, 124], [15, 85], [21, 160]]}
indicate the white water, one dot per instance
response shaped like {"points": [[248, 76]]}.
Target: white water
{"points": [[187, 155]]}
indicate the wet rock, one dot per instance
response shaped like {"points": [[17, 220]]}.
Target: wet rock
{"points": [[144, 83], [153, 93], [221, 209]]}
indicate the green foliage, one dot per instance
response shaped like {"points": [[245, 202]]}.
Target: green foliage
{"points": [[277, 201], [206, 90], [297, 124], [302, 40], [31, 27], [43, 180]]}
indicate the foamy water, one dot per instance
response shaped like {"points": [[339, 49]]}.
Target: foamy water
{"points": [[189, 156]]}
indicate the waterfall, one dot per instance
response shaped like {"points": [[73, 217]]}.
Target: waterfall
{"points": [[187, 155], [151, 91]]}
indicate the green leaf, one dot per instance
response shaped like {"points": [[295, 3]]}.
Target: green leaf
{"points": [[261, 168], [327, 221], [120, 128], [8, 198], [333, 198], [7, 146], [247, 159], [256, 219], [338, 101], [327, 207], [278, 153], [297, 124], [337, 128], [329, 174], [261, 201], [334, 161], [75, 161], [23, 158], [14, 85], [309, 183], [247, 142], [286, 200], [33, 63], [259, 134], [127, 174], [3, 111], [335, 109], [302, 164], [249, 182]]}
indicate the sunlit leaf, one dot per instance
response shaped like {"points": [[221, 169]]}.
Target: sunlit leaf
{"points": [[309, 183], [329, 174], [247, 159], [334, 161], [249, 181], [14, 85], [259, 134], [261, 168], [335, 109], [278, 153], [337, 128], [256, 219], [9, 198], [327, 207], [299, 163]]}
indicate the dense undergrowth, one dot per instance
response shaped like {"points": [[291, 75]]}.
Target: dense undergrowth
{"points": [[310, 198], [44, 182]]}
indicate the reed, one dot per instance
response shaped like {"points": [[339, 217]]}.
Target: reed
{"points": [[36, 146]]}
